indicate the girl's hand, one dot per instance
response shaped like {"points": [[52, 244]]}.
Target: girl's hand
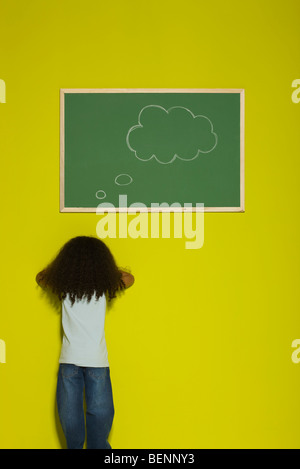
{"points": [[40, 278], [127, 278]]}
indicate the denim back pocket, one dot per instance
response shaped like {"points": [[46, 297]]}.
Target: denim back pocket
{"points": [[68, 370], [98, 373]]}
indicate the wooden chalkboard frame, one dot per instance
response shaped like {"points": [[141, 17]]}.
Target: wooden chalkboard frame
{"points": [[241, 92]]}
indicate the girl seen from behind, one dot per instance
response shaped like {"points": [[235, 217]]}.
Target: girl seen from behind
{"points": [[85, 277]]}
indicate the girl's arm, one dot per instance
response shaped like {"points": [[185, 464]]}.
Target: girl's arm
{"points": [[127, 278]]}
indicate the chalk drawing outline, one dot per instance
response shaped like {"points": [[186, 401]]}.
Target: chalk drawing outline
{"points": [[175, 156], [123, 174], [100, 198]]}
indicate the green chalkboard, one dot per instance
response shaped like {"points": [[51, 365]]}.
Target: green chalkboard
{"points": [[153, 146]]}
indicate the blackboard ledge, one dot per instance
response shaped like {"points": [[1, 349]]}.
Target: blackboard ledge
{"points": [[152, 209]]}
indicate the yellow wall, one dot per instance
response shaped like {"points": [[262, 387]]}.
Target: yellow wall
{"points": [[200, 348]]}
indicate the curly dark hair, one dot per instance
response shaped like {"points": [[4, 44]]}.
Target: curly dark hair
{"points": [[83, 267]]}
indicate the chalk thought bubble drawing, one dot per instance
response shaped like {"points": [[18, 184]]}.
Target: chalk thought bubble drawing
{"points": [[123, 180], [100, 194], [166, 134]]}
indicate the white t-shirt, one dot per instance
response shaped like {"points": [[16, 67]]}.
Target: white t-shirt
{"points": [[83, 341]]}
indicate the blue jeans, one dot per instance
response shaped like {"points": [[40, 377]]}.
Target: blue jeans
{"points": [[71, 383]]}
